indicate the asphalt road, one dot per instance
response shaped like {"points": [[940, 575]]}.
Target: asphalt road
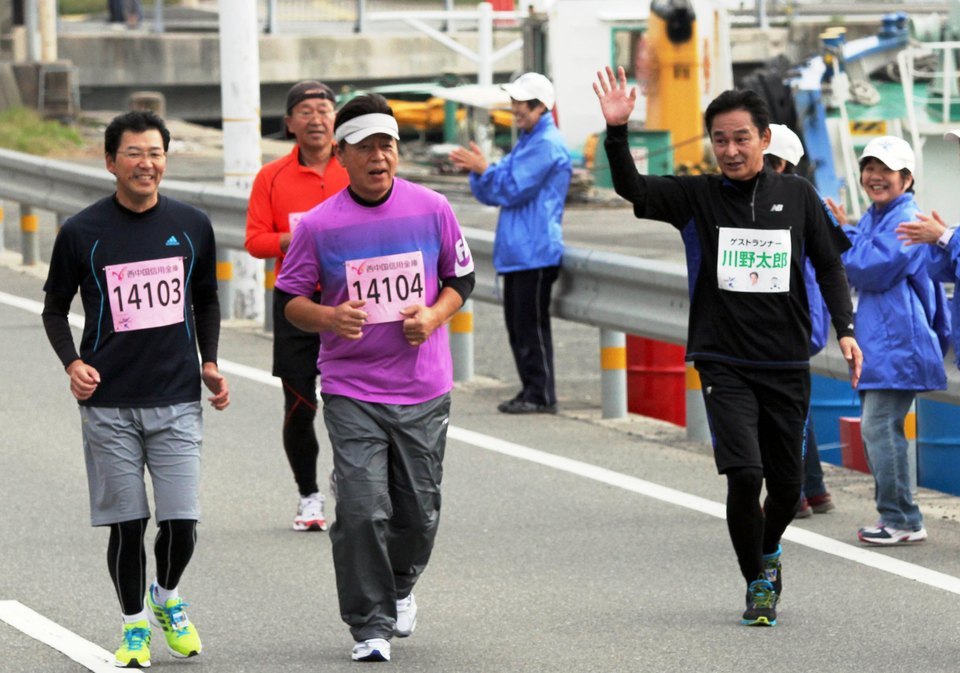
{"points": [[561, 547]]}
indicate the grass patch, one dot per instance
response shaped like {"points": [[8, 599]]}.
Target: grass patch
{"points": [[24, 130], [70, 7]]}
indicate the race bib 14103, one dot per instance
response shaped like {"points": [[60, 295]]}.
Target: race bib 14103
{"points": [[146, 294]]}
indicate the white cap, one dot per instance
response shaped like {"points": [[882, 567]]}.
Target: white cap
{"points": [[953, 134], [895, 153], [358, 128], [784, 143], [530, 86]]}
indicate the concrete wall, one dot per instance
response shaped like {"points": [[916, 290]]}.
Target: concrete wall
{"points": [[185, 67]]}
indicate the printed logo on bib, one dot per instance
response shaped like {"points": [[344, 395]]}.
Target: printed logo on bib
{"points": [[753, 260], [293, 219], [146, 294], [388, 284]]}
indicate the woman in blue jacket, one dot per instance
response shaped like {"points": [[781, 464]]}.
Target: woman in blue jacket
{"points": [[530, 186], [944, 252], [895, 317]]}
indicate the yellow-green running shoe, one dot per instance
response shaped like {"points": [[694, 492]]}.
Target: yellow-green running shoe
{"points": [[181, 636], [134, 651]]}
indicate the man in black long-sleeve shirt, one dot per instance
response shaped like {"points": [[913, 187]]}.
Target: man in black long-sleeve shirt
{"points": [[145, 266], [747, 233]]}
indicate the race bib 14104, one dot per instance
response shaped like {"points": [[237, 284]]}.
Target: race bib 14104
{"points": [[388, 284]]}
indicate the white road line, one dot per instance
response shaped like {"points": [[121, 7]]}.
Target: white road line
{"points": [[73, 646], [821, 543], [35, 625], [227, 366]]}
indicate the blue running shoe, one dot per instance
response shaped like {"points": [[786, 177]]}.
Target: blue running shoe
{"points": [[761, 604], [773, 570]]}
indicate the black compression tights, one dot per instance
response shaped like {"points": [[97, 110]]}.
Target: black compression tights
{"points": [[127, 557], [755, 531], [299, 435]]}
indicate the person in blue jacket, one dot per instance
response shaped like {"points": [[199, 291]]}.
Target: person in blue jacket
{"points": [[944, 252], [782, 155], [530, 186], [902, 351]]}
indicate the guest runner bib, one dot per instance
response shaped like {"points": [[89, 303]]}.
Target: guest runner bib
{"points": [[146, 294], [388, 284], [753, 260]]}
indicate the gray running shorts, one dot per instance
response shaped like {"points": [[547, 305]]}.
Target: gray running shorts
{"points": [[118, 443]]}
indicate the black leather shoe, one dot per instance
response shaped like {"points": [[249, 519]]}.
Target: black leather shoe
{"points": [[516, 406]]}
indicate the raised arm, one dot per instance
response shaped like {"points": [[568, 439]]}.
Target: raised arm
{"points": [[616, 102]]}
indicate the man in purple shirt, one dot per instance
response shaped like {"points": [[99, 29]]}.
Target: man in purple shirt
{"points": [[394, 267]]}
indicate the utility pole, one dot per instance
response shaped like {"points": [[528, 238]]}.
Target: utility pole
{"points": [[237, 272]]}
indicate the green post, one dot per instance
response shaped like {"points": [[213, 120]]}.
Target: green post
{"points": [[449, 121]]}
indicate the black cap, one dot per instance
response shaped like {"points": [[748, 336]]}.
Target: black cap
{"points": [[309, 88]]}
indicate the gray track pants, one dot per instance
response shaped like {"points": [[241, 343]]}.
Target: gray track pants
{"points": [[388, 464]]}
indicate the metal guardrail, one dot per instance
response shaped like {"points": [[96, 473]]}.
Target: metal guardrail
{"points": [[601, 289]]}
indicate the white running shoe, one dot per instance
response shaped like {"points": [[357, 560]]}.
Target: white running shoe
{"points": [[881, 534], [310, 513], [406, 616], [375, 649]]}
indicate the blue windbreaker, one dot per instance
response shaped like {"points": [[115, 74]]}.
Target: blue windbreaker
{"points": [[530, 186], [945, 267], [898, 304]]}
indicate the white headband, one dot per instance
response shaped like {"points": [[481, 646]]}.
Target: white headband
{"points": [[358, 128]]}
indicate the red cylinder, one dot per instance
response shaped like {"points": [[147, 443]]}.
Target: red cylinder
{"points": [[852, 452], [656, 380]]}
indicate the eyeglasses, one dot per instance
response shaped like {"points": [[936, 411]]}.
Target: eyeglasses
{"points": [[155, 156], [310, 113]]}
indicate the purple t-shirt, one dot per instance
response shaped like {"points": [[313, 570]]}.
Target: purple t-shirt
{"points": [[390, 255]]}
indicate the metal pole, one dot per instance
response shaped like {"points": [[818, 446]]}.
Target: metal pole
{"points": [[461, 342], [485, 44], [448, 24], [272, 17], [240, 100], [361, 17], [910, 431], [698, 428], [613, 373], [2, 231], [269, 280], [158, 25], [29, 239], [48, 30], [225, 282], [31, 21], [240, 91], [484, 73]]}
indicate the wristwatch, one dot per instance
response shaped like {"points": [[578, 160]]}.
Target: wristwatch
{"points": [[944, 240]]}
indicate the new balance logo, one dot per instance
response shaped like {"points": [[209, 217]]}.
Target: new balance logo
{"points": [[172, 241], [776, 208]]}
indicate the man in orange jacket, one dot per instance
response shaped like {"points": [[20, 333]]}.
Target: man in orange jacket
{"points": [[283, 191]]}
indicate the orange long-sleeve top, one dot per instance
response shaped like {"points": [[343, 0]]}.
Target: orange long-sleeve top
{"points": [[282, 193]]}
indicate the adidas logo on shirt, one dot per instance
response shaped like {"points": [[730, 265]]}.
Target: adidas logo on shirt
{"points": [[172, 241]]}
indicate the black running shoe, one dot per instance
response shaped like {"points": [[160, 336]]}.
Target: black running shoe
{"points": [[761, 605]]}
